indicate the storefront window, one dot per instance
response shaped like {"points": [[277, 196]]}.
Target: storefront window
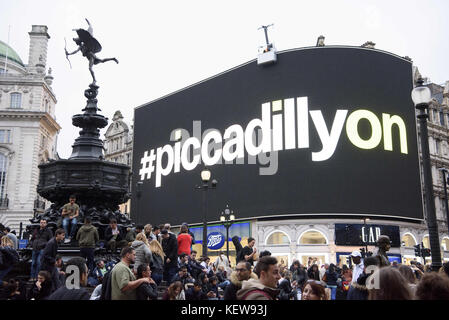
{"points": [[277, 238], [426, 242], [408, 240], [310, 259], [445, 244], [312, 237]]}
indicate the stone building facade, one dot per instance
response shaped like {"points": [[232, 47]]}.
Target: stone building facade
{"points": [[118, 146], [28, 127]]}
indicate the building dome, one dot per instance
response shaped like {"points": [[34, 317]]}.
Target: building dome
{"points": [[12, 54]]}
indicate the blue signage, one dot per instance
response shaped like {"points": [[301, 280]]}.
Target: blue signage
{"points": [[23, 244], [215, 240]]}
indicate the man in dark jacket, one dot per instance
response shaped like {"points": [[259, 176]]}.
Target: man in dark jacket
{"points": [[196, 292], [114, 237], [87, 238], [146, 291], [195, 268], [300, 275], [77, 292], [170, 247], [49, 257], [38, 242], [183, 276]]}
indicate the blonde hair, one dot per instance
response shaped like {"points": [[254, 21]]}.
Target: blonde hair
{"points": [[6, 242], [156, 247], [148, 228], [142, 237]]}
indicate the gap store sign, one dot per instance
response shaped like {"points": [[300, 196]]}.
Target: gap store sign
{"points": [[324, 131]]}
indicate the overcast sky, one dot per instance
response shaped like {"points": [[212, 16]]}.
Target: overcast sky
{"points": [[163, 46]]}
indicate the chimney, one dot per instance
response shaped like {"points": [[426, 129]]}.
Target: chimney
{"points": [[37, 58]]}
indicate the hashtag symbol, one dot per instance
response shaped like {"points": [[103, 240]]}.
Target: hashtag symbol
{"points": [[147, 165]]}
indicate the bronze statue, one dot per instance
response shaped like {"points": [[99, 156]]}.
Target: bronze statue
{"points": [[89, 46], [384, 245]]}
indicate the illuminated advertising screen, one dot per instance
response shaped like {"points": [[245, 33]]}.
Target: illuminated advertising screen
{"points": [[324, 131]]}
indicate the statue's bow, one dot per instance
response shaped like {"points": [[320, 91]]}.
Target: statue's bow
{"points": [[67, 54]]}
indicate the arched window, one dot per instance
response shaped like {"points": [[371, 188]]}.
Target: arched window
{"points": [[277, 237], [445, 244], [312, 237], [3, 164], [425, 241], [409, 240], [16, 100]]}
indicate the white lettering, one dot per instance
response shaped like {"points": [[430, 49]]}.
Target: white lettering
{"points": [[329, 141]]}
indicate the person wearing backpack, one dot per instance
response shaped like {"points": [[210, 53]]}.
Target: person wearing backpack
{"points": [[8, 257]]}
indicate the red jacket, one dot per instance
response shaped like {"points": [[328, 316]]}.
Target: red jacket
{"points": [[184, 243]]}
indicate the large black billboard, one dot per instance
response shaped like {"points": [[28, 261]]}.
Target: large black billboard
{"points": [[324, 131]]}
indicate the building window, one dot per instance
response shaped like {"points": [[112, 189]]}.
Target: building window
{"points": [[3, 163], [438, 146], [312, 237], [128, 159], [442, 118], [278, 238], [435, 116], [408, 240], [2, 71], [16, 100], [5, 136]]}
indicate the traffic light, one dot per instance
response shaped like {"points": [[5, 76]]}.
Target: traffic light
{"points": [[425, 252], [418, 250]]}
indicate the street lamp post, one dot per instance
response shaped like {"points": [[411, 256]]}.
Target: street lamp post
{"points": [[444, 171], [205, 178], [421, 97], [227, 219]]}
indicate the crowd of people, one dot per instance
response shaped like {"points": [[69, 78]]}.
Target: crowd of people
{"points": [[156, 263]]}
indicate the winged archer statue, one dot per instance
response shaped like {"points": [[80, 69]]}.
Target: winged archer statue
{"points": [[88, 46]]}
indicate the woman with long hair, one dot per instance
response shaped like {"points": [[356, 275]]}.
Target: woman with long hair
{"points": [[408, 275], [174, 292], [157, 268], [9, 256], [388, 284], [313, 290], [143, 252]]}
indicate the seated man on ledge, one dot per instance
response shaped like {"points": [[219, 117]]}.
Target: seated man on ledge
{"points": [[70, 213], [113, 237]]}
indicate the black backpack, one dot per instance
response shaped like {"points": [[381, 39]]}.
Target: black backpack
{"points": [[106, 286]]}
